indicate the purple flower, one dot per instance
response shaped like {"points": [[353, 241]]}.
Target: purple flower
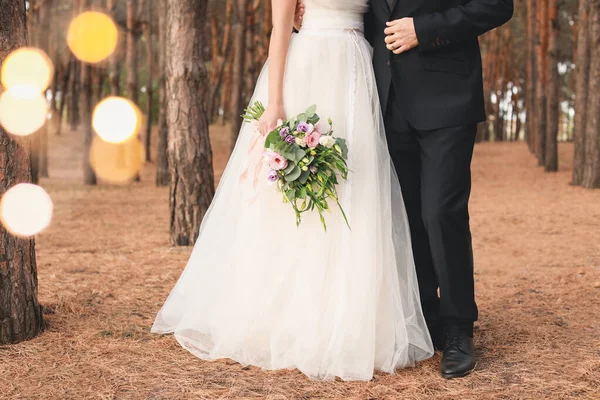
{"points": [[313, 169], [305, 127], [272, 176], [289, 139], [284, 132]]}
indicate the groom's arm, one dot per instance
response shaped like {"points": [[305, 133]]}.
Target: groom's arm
{"points": [[369, 19], [441, 29]]}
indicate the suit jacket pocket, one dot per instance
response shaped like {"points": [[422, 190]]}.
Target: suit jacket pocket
{"points": [[445, 64]]}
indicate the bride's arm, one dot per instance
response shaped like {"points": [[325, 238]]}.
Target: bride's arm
{"points": [[283, 22]]}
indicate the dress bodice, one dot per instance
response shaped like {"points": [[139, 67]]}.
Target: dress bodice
{"points": [[334, 14]]}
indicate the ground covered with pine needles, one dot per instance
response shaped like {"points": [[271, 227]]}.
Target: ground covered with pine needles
{"points": [[105, 266]]}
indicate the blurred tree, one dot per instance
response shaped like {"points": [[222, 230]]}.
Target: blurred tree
{"points": [[552, 91], [147, 27], [20, 313], [238, 73], [591, 162], [162, 164], [582, 61], [87, 71], [541, 51], [190, 155]]}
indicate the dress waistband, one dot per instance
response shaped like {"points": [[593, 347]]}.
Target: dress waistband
{"points": [[323, 19]]}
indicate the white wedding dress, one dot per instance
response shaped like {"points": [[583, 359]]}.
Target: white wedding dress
{"points": [[261, 291]]}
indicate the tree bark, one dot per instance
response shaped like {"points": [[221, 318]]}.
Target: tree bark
{"points": [[541, 55], [582, 70], [131, 56], [552, 93], [44, 44], [113, 62], [64, 89], [190, 154], [162, 164], [239, 55], [75, 88], [530, 87], [149, 84], [591, 171], [89, 176], [20, 313]]}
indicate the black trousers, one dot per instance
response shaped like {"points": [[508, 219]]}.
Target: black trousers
{"points": [[434, 169]]}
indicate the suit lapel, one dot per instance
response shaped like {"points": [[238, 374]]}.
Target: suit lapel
{"points": [[390, 7]]}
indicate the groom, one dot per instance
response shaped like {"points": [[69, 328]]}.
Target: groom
{"points": [[428, 70]]}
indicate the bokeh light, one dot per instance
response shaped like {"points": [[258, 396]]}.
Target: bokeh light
{"points": [[22, 115], [116, 119], [92, 36], [25, 209], [27, 71], [117, 163]]}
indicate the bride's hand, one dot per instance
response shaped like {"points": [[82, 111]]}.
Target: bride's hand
{"points": [[270, 119], [299, 15]]}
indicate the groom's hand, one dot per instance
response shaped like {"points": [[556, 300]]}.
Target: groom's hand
{"points": [[401, 35]]}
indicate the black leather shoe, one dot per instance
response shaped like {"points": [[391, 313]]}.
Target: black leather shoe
{"points": [[458, 359]]}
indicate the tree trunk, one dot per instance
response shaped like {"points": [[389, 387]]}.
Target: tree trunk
{"points": [[74, 89], [552, 94], [591, 170], [162, 164], [131, 57], [190, 155], [530, 99], [64, 89], [582, 70], [541, 82], [44, 44], [239, 54], [149, 87], [73, 108], [114, 65], [89, 176], [20, 313]]}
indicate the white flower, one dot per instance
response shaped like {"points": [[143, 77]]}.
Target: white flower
{"points": [[327, 141], [301, 142], [279, 123], [311, 128]]}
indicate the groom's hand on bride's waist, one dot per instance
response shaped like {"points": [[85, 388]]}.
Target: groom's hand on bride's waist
{"points": [[400, 35]]}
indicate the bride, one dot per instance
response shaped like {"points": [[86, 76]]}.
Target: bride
{"points": [[261, 291]]}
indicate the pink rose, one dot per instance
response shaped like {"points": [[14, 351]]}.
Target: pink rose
{"points": [[277, 161], [312, 140]]}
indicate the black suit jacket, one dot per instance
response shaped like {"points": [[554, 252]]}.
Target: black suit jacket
{"points": [[439, 84]]}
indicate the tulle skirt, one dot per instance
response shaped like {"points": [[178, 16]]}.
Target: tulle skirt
{"points": [[261, 291]]}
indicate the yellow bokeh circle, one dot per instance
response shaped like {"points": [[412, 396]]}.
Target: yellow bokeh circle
{"points": [[117, 163], [22, 115], [92, 36], [116, 119], [26, 209], [27, 70]]}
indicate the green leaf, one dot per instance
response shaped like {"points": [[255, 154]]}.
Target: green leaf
{"points": [[299, 153], [290, 195], [311, 111], [293, 174], [271, 139], [342, 143], [289, 168], [304, 177], [301, 117]]}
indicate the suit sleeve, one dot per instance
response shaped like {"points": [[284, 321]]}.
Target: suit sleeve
{"points": [[441, 29], [369, 20]]}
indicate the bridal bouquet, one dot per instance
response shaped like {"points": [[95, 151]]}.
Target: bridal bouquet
{"points": [[304, 162]]}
